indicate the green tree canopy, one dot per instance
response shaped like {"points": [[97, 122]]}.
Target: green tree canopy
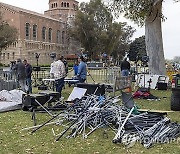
{"points": [[8, 34], [135, 10], [137, 48], [148, 13], [95, 30]]}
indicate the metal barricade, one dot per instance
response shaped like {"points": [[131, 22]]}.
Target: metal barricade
{"points": [[123, 82], [7, 80], [99, 74], [103, 74]]}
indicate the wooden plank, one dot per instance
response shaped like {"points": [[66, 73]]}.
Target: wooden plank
{"points": [[150, 110]]}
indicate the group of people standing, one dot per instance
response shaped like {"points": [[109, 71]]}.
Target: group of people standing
{"points": [[58, 71], [23, 72]]}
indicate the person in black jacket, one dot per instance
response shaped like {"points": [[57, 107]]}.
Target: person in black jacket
{"points": [[19, 67], [28, 70], [125, 67]]}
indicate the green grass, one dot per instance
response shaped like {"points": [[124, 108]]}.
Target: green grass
{"points": [[13, 140]]}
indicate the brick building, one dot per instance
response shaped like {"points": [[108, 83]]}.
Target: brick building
{"points": [[39, 33]]}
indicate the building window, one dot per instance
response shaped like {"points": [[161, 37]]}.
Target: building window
{"points": [[44, 33], [7, 55], [27, 31], [3, 56], [62, 4], [34, 32], [13, 55], [58, 36], [56, 5], [67, 4], [63, 37], [50, 34], [51, 5]]}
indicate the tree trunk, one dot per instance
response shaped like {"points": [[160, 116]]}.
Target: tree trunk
{"points": [[154, 43]]}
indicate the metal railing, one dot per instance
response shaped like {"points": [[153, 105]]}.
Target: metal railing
{"points": [[104, 74], [7, 80], [97, 74]]}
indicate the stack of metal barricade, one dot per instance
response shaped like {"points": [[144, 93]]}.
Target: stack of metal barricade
{"points": [[7, 80]]}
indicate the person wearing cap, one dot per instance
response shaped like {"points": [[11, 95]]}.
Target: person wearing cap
{"points": [[59, 73], [82, 72], [28, 70], [21, 74]]}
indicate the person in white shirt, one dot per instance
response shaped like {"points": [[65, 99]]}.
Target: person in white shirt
{"points": [[52, 70], [59, 73]]}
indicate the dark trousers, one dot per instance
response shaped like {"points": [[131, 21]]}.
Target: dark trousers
{"points": [[81, 80], [59, 85], [29, 84]]}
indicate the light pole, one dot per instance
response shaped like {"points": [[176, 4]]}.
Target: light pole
{"points": [[37, 57]]}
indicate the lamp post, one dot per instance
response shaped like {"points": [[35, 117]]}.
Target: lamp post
{"points": [[37, 69], [37, 57]]}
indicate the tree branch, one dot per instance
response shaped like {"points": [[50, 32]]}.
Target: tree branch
{"points": [[156, 2]]}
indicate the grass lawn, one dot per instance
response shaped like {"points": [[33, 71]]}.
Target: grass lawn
{"points": [[14, 141]]}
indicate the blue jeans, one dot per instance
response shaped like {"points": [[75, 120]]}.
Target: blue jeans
{"points": [[29, 84], [125, 72], [59, 85]]}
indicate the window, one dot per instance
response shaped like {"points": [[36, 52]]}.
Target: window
{"points": [[7, 55], [56, 5], [62, 4], [3, 56], [13, 55], [27, 31], [67, 4], [63, 36], [34, 32], [50, 34], [51, 5], [58, 36], [44, 33]]}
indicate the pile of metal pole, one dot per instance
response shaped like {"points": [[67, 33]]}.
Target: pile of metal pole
{"points": [[148, 128], [86, 115]]}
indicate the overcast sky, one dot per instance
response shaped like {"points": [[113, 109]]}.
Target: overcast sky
{"points": [[170, 28]]}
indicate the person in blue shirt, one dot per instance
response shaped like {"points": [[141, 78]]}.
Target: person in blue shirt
{"points": [[75, 68], [82, 72]]}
